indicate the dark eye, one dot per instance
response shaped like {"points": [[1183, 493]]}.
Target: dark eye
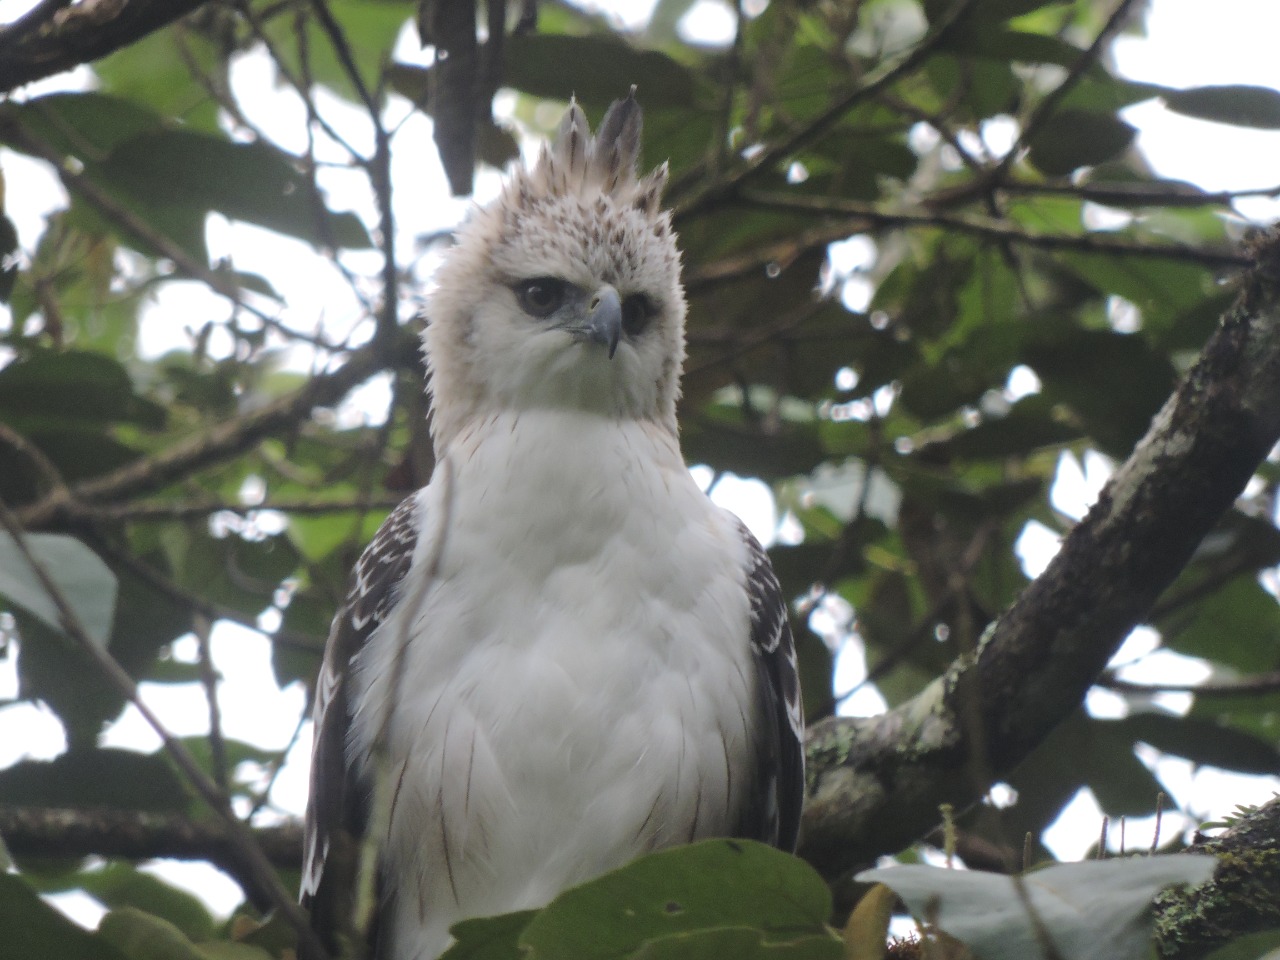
{"points": [[637, 311], [541, 296]]}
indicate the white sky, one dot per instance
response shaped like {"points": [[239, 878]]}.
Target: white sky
{"points": [[1187, 46]]}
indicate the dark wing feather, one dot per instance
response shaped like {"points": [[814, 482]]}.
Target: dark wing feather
{"points": [[773, 814], [336, 810]]}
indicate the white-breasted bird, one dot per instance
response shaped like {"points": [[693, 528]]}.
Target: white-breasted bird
{"points": [[562, 652]]}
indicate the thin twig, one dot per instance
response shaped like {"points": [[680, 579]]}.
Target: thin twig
{"points": [[858, 217], [164, 510], [1259, 683], [388, 319], [209, 682]]}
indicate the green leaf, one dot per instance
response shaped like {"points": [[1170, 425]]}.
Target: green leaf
{"points": [[1073, 138], [120, 884], [84, 125], [84, 580], [489, 938], [1237, 104], [1235, 626], [1114, 382], [33, 930], [1203, 742], [119, 779], [142, 936], [738, 944], [712, 885], [1078, 905], [255, 182], [75, 386]]}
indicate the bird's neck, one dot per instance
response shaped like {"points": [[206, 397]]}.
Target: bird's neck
{"points": [[573, 438]]}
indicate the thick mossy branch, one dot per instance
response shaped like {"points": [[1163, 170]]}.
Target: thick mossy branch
{"points": [[1242, 897], [875, 784]]}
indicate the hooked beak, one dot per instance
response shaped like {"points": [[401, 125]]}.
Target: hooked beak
{"points": [[604, 319]]}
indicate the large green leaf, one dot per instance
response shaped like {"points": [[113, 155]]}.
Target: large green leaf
{"points": [[1203, 741], [766, 897], [86, 583], [119, 779], [1235, 626], [1072, 138], [1076, 906], [255, 182], [1236, 104], [33, 930], [76, 386], [120, 884], [87, 125], [142, 936]]}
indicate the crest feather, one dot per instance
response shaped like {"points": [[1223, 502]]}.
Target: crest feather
{"points": [[577, 161]]}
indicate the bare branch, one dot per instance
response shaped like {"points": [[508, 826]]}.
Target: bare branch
{"points": [[138, 835], [81, 33], [1251, 686], [857, 217]]}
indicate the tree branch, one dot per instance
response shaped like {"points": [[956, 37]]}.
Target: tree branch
{"points": [[137, 835], [858, 217], [225, 441], [81, 33], [875, 784], [1239, 900]]}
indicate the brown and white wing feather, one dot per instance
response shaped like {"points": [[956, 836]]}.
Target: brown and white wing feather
{"points": [[773, 814], [337, 809]]}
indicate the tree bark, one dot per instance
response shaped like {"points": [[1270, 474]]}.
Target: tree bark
{"points": [[1242, 898]]}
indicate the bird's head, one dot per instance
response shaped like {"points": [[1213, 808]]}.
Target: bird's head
{"points": [[565, 290]]}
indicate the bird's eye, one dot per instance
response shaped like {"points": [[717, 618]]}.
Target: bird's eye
{"points": [[637, 311], [541, 296]]}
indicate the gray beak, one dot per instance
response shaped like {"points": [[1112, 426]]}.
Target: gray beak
{"points": [[604, 320]]}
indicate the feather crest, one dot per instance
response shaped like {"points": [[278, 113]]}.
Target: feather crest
{"points": [[577, 161]]}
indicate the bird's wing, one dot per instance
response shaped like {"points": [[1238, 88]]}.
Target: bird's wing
{"points": [[337, 808], [773, 812]]}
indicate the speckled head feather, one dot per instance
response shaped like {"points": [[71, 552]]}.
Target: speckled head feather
{"points": [[583, 217]]}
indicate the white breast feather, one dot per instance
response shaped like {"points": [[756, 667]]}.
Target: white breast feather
{"points": [[579, 682]]}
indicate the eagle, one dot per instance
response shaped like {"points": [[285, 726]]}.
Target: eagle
{"points": [[559, 654]]}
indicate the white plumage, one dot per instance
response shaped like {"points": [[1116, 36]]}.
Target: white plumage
{"points": [[584, 657]]}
